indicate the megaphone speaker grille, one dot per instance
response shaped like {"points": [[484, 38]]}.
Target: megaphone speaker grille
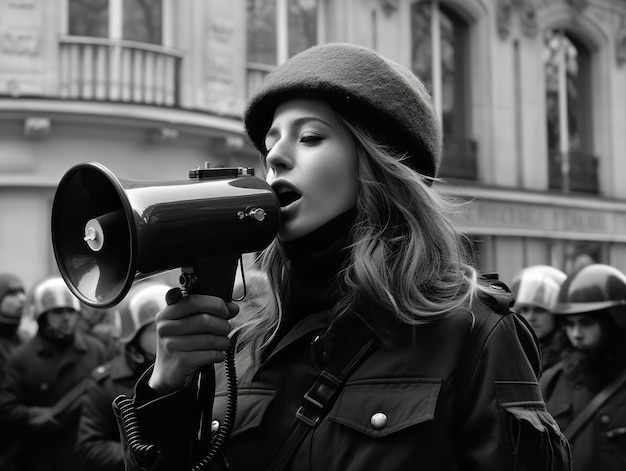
{"points": [[91, 235]]}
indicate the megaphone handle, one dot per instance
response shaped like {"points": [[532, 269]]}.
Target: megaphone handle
{"points": [[214, 276]]}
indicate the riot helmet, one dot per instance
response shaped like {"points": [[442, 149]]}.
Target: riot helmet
{"points": [[139, 309], [537, 286], [51, 293], [594, 288]]}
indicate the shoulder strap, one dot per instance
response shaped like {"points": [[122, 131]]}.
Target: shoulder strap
{"points": [[318, 399], [581, 419]]}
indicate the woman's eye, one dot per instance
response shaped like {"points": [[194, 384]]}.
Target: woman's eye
{"points": [[310, 138]]}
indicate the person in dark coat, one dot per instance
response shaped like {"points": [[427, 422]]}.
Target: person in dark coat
{"points": [[379, 346], [98, 444], [586, 390], [46, 378], [12, 303], [536, 289]]}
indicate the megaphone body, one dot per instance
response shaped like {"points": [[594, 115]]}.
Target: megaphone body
{"points": [[108, 232]]}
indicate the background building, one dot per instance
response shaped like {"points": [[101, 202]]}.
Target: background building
{"points": [[531, 94]]}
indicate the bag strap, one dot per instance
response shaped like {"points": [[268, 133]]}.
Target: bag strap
{"points": [[318, 399], [581, 419]]}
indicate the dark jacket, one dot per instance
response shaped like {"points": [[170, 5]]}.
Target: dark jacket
{"points": [[40, 374], [458, 394], [9, 341], [98, 443], [601, 442]]}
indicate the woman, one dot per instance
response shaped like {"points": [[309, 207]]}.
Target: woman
{"points": [[586, 391], [377, 346]]}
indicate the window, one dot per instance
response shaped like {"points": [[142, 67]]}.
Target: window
{"points": [[89, 18], [439, 53], [136, 20], [568, 105], [278, 29]]}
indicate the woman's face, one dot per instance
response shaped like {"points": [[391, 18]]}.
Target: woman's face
{"points": [[584, 332], [311, 165], [541, 321]]}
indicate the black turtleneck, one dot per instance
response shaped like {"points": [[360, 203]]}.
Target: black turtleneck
{"points": [[315, 262]]}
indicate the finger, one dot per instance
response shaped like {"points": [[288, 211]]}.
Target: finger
{"points": [[233, 309], [193, 304], [173, 296], [196, 343], [197, 323]]}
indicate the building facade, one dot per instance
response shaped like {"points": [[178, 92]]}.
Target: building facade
{"points": [[531, 95]]}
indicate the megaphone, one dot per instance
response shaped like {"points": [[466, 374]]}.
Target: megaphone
{"points": [[108, 232]]}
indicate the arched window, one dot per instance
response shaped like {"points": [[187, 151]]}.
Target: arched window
{"points": [[278, 29], [572, 166], [440, 54]]}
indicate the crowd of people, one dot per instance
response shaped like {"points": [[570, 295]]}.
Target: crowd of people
{"points": [[368, 339], [59, 380]]}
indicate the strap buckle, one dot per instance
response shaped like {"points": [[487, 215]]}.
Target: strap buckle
{"points": [[316, 398]]}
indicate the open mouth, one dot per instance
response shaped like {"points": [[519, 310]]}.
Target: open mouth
{"points": [[286, 195]]}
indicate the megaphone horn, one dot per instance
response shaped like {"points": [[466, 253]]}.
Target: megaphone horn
{"points": [[108, 232]]}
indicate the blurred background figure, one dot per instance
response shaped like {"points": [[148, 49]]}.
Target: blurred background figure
{"points": [[102, 324], [98, 444], [536, 289], [46, 378], [586, 391], [12, 303]]}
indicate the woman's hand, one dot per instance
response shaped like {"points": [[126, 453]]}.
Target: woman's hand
{"points": [[192, 332]]}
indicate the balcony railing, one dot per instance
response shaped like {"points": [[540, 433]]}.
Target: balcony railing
{"points": [[578, 172], [116, 70], [459, 158]]}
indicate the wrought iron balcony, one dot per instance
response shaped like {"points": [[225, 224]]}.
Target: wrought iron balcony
{"points": [[459, 158], [576, 172], [119, 71]]}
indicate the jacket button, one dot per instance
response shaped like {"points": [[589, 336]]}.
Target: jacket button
{"points": [[605, 419], [378, 421]]}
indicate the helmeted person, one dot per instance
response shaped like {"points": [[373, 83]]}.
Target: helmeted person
{"points": [[98, 443], [536, 289], [12, 304], [46, 378], [586, 391], [380, 347]]}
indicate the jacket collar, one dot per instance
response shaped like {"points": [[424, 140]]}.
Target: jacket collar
{"points": [[44, 347]]}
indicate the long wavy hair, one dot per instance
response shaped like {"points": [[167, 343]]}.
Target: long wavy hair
{"points": [[408, 260]]}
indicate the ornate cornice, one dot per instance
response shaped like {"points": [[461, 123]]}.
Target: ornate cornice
{"points": [[527, 13]]}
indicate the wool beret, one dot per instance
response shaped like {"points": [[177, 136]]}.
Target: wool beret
{"points": [[366, 88]]}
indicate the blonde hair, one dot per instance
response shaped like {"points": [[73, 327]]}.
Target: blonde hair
{"points": [[408, 260]]}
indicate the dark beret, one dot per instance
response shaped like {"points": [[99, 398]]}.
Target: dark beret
{"points": [[366, 88]]}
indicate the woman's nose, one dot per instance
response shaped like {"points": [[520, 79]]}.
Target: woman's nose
{"points": [[278, 157]]}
